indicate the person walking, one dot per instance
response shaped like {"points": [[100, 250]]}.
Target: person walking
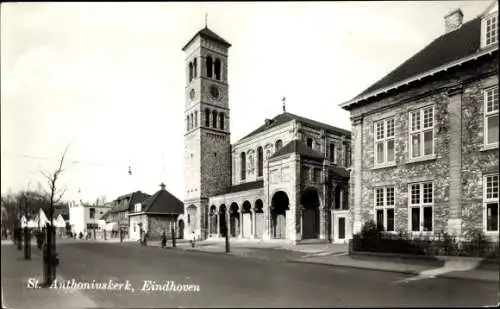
{"points": [[163, 240], [193, 239]]}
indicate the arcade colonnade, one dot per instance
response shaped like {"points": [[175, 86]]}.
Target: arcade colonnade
{"points": [[247, 217]]}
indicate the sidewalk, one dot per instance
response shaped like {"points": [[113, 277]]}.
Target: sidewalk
{"points": [[17, 273], [446, 267]]}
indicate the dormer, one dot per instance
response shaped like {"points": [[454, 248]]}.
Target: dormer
{"points": [[138, 207], [489, 26]]}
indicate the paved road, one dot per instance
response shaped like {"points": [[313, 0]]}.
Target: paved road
{"points": [[229, 281]]}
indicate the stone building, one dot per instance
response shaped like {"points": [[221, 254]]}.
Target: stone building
{"points": [[285, 180], [425, 137], [155, 215]]}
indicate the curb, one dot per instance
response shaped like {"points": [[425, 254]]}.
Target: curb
{"points": [[410, 272]]}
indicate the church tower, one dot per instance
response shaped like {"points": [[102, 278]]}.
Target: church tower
{"points": [[207, 147]]}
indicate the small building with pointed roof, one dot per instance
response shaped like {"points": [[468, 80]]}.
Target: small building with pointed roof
{"points": [[155, 215]]}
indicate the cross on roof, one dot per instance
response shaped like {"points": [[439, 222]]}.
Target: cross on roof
{"points": [[284, 104]]}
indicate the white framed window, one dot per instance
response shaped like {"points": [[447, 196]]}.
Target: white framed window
{"points": [[384, 207], [420, 206], [421, 132], [489, 30], [491, 116], [490, 200], [384, 141]]}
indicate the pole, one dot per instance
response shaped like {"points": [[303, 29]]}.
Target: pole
{"points": [[27, 238], [173, 236], [227, 235]]}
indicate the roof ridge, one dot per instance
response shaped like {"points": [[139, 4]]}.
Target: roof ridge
{"points": [[468, 38]]}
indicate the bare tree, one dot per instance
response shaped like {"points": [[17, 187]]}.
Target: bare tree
{"points": [[55, 194]]}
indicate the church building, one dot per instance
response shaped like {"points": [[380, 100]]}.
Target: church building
{"points": [[288, 179]]}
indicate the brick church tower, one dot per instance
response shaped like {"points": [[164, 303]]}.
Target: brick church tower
{"points": [[207, 147]]}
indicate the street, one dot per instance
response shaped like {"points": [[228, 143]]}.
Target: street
{"points": [[230, 281]]}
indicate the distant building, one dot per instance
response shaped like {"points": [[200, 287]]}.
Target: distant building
{"points": [[117, 217], [85, 217], [155, 215], [425, 136]]}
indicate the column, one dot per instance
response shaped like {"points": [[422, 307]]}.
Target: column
{"points": [[218, 225], [357, 172], [240, 223], [253, 224], [455, 130], [321, 223], [301, 211]]}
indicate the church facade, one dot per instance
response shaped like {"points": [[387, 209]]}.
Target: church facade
{"points": [[288, 179]]}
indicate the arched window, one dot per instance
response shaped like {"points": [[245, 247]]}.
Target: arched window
{"points": [[195, 68], [310, 142], [209, 66], [190, 71], [260, 161], [191, 121], [207, 118], [243, 166], [214, 119], [187, 122], [217, 69], [278, 145], [221, 121], [195, 119]]}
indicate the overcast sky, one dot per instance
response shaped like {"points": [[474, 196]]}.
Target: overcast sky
{"points": [[108, 78]]}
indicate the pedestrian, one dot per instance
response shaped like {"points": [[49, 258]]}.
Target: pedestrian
{"points": [[163, 240], [193, 239], [146, 235]]}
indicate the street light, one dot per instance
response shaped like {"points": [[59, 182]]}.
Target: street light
{"points": [[27, 236]]}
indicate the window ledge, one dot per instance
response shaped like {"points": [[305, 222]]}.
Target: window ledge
{"points": [[383, 165], [422, 159], [490, 232], [489, 147]]}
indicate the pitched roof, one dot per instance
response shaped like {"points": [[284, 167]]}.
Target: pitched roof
{"points": [[449, 47], [298, 146], [285, 117], [205, 32], [63, 211], [137, 197], [163, 202]]}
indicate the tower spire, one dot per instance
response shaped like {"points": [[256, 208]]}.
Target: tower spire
{"points": [[206, 20], [284, 104]]}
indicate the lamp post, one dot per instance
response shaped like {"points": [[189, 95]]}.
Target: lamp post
{"points": [[18, 230], [27, 237]]}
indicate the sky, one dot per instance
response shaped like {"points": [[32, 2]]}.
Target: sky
{"points": [[108, 79]]}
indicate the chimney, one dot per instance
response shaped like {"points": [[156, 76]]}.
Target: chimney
{"points": [[268, 121], [453, 20], [162, 186]]}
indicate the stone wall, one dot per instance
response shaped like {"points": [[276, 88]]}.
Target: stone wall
{"points": [[158, 224], [472, 79]]}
